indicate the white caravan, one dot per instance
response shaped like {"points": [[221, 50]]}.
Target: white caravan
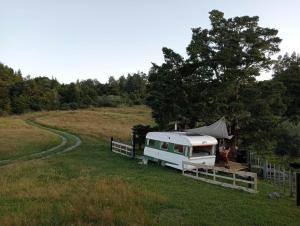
{"points": [[171, 148]]}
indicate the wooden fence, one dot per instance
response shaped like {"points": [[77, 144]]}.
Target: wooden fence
{"points": [[285, 178], [121, 148], [246, 181]]}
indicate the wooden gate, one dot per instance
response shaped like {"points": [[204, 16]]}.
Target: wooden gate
{"points": [[122, 149]]}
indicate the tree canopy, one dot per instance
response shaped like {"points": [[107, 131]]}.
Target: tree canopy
{"points": [[218, 78], [19, 94]]}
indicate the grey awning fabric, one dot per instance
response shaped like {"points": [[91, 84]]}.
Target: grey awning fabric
{"points": [[217, 130]]}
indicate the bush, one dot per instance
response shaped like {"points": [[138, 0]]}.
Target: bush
{"points": [[109, 101], [288, 139], [20, 104], [69, 106]]}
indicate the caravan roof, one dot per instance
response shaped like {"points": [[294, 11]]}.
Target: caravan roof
{"points": [[182, 138]]}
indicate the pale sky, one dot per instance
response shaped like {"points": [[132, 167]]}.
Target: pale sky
{"points": [[77, 39]]}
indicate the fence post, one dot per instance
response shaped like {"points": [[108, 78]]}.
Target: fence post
{"points": [[267, 164], [265, 169], [111, 143], [249, 160], [298, 188], [291, 183], [283, 179], [233, 175], [249, 184], [274, 174], [255, 182], [214, 171]]}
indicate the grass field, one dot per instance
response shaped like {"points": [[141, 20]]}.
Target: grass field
{"points": [[99, 122], [92, 186], [17, 138]]}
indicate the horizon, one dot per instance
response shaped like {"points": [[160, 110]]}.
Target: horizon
{"points": [[101, 39]]}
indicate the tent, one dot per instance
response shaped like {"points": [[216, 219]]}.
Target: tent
{"points": [[217, 130]]}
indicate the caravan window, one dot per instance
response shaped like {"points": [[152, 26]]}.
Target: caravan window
{"points": [[201, 151], [151, 143], [164, 145], [178, 148]]}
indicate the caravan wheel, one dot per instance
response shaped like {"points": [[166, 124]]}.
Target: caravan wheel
{"points": [[162, 163]]}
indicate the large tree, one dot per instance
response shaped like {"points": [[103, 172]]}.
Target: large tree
{"points": [[167, 96], [234, 51], [220, 61], [287, 71]]}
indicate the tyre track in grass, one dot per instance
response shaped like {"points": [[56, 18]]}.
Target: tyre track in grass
{"points": [[66, 140]]}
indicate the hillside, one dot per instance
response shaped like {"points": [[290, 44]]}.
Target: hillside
{"points": [[98, 122], [92, 186]]}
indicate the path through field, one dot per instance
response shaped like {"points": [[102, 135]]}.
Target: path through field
{"points": [[68, 143]]}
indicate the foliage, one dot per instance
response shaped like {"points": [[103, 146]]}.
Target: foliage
{"points": [[19, 95], [287, 71], [288, 139], [263, 104], [218, 79], [109, 101], [139, 132]]}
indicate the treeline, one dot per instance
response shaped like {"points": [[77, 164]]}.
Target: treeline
{"points": [[19, 95], [218, 78]]}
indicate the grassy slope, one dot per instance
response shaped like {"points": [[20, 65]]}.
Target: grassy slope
{"points": [[92, 186], [18, 138], [100, 122]]}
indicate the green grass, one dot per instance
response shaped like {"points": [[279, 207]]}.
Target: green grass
{"points": [[92, 186]]}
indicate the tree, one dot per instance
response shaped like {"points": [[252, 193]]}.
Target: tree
{"points": [[88, 92], [287, 71], [288, 139], [69, 95], [113, 86], [4, 98], [19, 95], [8, 78], [207, 85], [264, 105], [135, 87], [166, 94], [234, 51]]}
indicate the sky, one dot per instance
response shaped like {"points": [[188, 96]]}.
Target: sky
{"points": [[81, 39]]}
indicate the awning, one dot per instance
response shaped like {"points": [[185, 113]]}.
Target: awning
{"points": [[217, 130]]}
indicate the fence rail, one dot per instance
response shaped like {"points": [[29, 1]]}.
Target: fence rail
{"points": [[121, 148], [278, 175], [246, 181]]}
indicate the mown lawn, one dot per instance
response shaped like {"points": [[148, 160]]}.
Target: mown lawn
{"points": [[92, 186]]}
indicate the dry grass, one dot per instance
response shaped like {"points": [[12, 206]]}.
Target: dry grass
{"points": [[52, 199], [93, 186], [18, 138], [98, 122]]}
